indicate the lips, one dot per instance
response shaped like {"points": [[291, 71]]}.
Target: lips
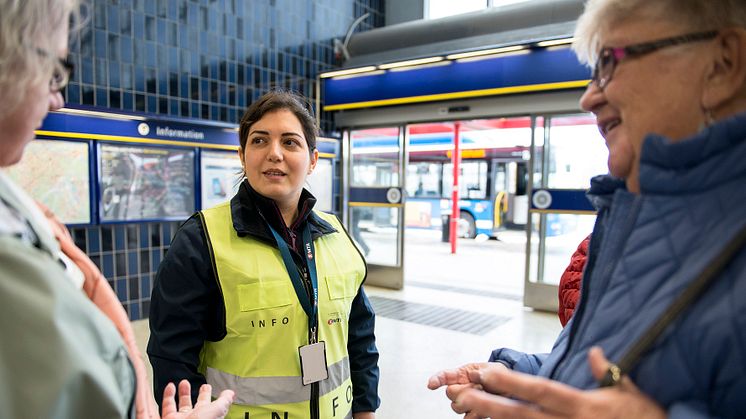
{"points": [[273, 172], [608, 124]]}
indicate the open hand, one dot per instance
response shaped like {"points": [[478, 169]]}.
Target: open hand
{"points": [[204, 409]]}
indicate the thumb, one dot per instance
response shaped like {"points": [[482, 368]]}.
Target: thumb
{"points": [[598, 362]]}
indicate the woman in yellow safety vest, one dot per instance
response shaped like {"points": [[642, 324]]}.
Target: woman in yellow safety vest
{"points": [[262, 294]]}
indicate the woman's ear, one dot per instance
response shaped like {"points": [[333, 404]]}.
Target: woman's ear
{"points": [[314, 160], [726, 75]]}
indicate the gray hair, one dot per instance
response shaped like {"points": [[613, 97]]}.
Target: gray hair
{"points": [[700, 15], [29, 32]]}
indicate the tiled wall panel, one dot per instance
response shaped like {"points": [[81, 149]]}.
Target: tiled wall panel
{"points": [[205, 59]]}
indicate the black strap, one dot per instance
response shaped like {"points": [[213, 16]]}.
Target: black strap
{"points": [[687, 298]]}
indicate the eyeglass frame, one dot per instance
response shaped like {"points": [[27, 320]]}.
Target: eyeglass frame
{"points": [[62, 74], [617, 54]]}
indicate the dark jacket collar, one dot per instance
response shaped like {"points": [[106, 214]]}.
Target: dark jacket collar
{"points": [[249, 209]]}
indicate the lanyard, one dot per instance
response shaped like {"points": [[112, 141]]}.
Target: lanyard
{"points": [[310, 307]]}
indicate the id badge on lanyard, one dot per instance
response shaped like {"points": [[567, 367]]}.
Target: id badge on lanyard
{"points": [[313, 355]]}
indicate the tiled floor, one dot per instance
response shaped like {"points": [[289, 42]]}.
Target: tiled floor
{"points": [[411, 352]]}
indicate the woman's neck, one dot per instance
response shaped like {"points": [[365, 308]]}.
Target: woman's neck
{"points": [[289, 213]]}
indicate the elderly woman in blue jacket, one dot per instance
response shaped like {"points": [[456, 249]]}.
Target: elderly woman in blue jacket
{"points": [[669, 94]]}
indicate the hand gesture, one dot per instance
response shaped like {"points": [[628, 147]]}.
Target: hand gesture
{"points": [[541, 398], [204, 409]]}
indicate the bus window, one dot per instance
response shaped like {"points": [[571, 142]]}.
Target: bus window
{"points": [[473, 181], [423, 180]]}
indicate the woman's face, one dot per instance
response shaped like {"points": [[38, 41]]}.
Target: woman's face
{"points": [[276, 158], [17, 127], [659, 92]]}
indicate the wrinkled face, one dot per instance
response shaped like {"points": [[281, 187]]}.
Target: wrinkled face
{"points": [[17, 127], [276, 158], [659, 92]]}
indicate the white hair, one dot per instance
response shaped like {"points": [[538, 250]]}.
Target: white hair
{"points": [[700, 15], [29, 32]]}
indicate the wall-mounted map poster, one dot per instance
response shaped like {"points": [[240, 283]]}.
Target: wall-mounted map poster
{"points": [[145, 183], [56, 173], [220, 176]]}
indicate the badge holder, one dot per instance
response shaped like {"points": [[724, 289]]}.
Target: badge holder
{"points": [[313, 362]]}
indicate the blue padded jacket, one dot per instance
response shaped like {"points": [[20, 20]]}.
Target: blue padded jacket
{"points": [[645, 249]]}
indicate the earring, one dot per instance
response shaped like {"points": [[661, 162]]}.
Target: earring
{"points": [[708, 120]]}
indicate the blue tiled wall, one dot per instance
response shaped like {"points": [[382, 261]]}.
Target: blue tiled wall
{"points": [[205, 59]]}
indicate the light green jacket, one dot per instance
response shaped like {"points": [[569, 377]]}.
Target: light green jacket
{"points": [[60, 357]]}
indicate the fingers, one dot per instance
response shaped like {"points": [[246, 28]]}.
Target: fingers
{"points": [[598, 362], [599, 365], [205, 395], [455, 390], [454, 376], [480, 404], [169, 403], [218, 408], [185, 395], [547, 394]]}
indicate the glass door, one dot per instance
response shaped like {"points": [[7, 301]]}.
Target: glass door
{"points": [[373, 209], [566, 151]]}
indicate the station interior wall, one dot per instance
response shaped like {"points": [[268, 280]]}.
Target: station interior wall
{"points": [[201, 59]]}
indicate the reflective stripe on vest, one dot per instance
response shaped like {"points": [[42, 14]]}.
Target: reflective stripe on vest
{"points": [[265, 323], [275, 390]]}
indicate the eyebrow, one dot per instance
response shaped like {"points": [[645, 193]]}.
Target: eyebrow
{"points": [[284, 134]]}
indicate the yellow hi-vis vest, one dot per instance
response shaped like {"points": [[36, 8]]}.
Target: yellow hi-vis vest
{"points": [[266, 324]]}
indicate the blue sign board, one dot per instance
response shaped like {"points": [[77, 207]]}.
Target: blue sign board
{"points": [[534, 70]]}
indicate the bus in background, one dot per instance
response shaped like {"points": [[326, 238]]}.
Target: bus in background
{"points": [[494, 172], [493, 175]]}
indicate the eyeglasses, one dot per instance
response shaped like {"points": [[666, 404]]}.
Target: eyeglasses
{"points": [[62, 73], [609, 57]]}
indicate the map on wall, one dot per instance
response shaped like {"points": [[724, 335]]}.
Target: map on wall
{"points": [[56, 173], [220, 176], [146, 183]]}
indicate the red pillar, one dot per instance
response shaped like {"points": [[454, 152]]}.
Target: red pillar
{"points": [[455, 210]]}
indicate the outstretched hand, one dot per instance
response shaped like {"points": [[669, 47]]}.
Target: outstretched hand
{"points": [[204, 409], [477, 389]]}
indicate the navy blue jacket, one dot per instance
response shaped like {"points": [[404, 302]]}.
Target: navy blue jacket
{"points": [[187, 307], [645, 249]]}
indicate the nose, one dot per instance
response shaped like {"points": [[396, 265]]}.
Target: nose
{"points": [[275, 151], [593, 98], [56, 101]]}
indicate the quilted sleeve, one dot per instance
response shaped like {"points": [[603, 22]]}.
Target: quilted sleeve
{"points": [[569, 287]]}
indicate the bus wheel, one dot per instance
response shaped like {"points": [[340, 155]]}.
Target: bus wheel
{"points": [[467, 227]]}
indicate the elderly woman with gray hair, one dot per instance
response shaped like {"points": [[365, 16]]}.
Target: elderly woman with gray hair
{"points": [[660, 329], [60, 355]]}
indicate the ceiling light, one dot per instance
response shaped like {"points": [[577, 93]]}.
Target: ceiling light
{"points": [[410, 62], [554, 42], [347, 72], [485, 52]]}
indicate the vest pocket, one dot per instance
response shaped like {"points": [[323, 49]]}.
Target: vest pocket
{"points": [[341, 286], [263, 295]]}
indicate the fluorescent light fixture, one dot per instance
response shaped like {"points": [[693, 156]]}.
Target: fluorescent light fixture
{"points": [[101, 114], [367, 73], [408, 63], [491, 56], [347, 72], [555, 42], [492, 51], [421, 66]]}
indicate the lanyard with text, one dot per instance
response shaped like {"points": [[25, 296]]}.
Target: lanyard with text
{"points": [[310, 307]]}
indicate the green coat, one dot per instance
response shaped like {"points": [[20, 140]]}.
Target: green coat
{"points": [[60, 357]]}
